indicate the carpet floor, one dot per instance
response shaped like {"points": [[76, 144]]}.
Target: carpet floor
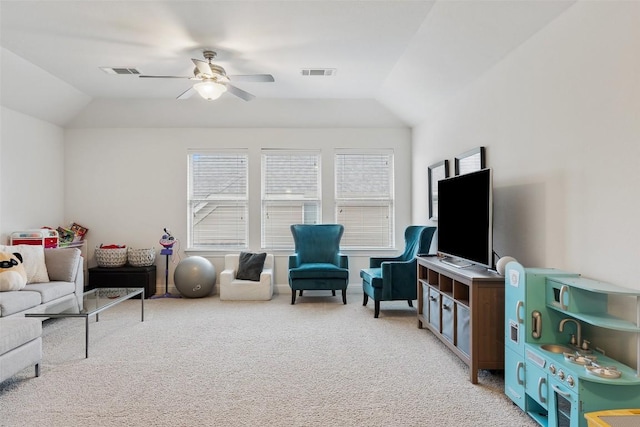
{"points": [[206, 362]]}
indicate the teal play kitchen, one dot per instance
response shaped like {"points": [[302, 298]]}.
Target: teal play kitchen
{"points": [[552, 369]]}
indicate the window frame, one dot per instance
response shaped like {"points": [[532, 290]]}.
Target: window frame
{"points": [[387, 201], [225, 200], [283, 200]]}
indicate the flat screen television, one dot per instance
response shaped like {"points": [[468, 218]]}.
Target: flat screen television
{"points": [[465, 219]]}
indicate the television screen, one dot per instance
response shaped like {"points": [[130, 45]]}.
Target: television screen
{"points": [[465, 212]]}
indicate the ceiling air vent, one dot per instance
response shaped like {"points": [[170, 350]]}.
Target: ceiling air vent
{"points": [[318, 71], [120, 70]]}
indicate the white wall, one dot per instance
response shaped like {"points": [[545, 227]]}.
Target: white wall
{"points": [[31, 173], [560, 120], [126, 185]]}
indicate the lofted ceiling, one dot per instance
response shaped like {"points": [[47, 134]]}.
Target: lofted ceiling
{"points": [[394, 58]]}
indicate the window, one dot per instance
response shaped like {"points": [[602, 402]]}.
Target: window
{"points": [[364, 198], [290, 194], [218, 200]]}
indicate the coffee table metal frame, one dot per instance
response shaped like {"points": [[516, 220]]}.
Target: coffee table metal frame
{"points": [[94, 301]]}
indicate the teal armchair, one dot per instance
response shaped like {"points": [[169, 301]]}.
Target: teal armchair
{"points": [[389, 279], [317, 263]]}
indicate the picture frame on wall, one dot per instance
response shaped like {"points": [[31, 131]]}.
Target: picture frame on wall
{"points": [[437, 171], [470, 161]]}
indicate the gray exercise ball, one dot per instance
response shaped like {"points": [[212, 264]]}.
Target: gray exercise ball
{"points": [[194, 277]]}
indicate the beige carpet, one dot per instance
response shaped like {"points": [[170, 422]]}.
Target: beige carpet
{"points": [[205, 362]]}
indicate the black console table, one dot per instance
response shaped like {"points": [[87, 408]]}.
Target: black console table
{"points": [[124, 277]]}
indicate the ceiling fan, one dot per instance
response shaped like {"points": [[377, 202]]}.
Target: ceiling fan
{"points": [[213, 80]]}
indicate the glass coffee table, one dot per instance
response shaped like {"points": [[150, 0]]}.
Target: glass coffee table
{"points": [[93, 302]]}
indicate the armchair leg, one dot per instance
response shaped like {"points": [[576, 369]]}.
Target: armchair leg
{"points": [[293, 296], [377, 309], [333, 292], [344, 296], [365, 300], [410, 303], [300, 292]]}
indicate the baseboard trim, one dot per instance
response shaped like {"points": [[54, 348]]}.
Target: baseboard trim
{"points": [[279, 289]]}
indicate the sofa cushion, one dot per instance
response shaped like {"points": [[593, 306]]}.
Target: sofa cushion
{"points": [[250, 266], [16, 332], [62, 263], [16, 301], [51, 290], [33, 257]]}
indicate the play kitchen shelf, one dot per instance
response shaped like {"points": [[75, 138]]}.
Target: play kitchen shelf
{"points": [[587, 300], [463, 308], [549, 375]]}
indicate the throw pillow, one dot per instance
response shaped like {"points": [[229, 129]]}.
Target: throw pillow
{"points": [[63, 263], [12, 274], [33, 256], [250, 266]]}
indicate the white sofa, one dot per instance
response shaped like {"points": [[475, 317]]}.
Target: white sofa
{"points": [[20, 337], [65, 286], [232, 289]]}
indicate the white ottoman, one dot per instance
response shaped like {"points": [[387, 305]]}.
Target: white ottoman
{"points": [[232, 289]]}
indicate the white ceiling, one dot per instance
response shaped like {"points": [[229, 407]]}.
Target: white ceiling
{"points": [[407, 56]]}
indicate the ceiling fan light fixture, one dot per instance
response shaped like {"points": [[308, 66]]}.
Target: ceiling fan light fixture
{"points": [[210, 89]]}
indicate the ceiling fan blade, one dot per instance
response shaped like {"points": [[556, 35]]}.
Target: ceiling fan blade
{"points": [[239, 92], [187, 93], [165, 77], [202, 66], [252, 78]]}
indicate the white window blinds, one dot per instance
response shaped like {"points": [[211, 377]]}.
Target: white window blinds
{"points": [[290, 194], [364, 198], [218, 200]]}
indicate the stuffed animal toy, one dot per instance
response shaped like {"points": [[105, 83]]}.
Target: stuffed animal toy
{"points": [[13, 276]]}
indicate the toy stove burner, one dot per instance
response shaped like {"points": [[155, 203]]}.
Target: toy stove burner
{"points": [[610, 372], [580, 359]]}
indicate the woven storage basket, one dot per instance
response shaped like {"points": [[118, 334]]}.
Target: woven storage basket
{"points": [[141, 257], [116, 257]]}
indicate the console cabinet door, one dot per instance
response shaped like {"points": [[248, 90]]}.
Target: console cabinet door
{"points": [[434, 308], [425, 301], [447, 318], [463, 329]]}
